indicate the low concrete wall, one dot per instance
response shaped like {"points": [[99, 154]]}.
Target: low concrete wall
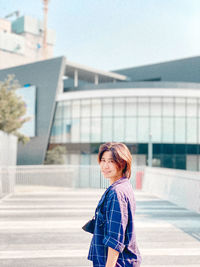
{"points": [[75, 176], [178, 186], [8, 149], [8, 157]]}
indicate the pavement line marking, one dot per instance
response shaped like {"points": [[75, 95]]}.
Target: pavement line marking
{"points": [[76, 246], [171, 252], [71, 224], [147, 210], [49, 210], [67, 253], [57, 211], [49, 199], [41, 230], [3, 207], [25, 254], [177, 265]]}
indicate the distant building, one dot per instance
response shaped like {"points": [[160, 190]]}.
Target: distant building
{"points": [[21, 41], [81, 107]]}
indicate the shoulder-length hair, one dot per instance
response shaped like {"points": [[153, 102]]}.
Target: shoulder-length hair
{"points": [[120, 154]]}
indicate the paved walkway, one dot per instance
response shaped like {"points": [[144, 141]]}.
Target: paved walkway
{"points": [[43, 228]]}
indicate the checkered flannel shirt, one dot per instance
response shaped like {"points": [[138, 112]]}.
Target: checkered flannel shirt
{"points": [[114, 226]]}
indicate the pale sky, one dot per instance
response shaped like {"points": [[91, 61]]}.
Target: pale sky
{"points": [[114, 34]]}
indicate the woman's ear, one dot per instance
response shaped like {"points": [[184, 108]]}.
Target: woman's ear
{"points": [[124, 169]]}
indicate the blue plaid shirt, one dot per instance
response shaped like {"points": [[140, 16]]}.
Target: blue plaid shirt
{"points": [[114, 226]]}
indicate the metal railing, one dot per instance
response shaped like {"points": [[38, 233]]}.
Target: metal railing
{"points": [[76, 176]]}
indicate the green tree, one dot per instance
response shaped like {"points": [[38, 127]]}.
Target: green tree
{"points": [[55, 155], [12, 109]]}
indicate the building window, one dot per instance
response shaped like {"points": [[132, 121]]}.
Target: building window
{"points": [[191, 107], [118, 130], [85, 108], [191, 131], [119, 107], [107, 130], [67, 109], [168, 130], [96, 130], [75, 130], [156, 106], [143, 106], [156, 128], [85, 130], [107, 107], [168, 107], [180, 107], [180, 134], [76, 109], [131, 130], [96, 107], [143, 130], [131, 107], [59, 110]]}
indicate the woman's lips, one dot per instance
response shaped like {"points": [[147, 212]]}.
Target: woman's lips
{"points": [[106, 172]]}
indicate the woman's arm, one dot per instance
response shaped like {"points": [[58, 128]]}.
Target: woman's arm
{"points": [[115, 227], [112, 257]]}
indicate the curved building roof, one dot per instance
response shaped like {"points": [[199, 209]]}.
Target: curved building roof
{"points": [[182, 70]]}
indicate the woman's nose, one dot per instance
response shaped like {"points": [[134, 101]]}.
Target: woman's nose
{"points": [[106, 165]]}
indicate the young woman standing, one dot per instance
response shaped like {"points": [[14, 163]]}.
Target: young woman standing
{"points": [[114, 240]]}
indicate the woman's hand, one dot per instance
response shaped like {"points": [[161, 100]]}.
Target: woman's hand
{"points": [[112, 257]]}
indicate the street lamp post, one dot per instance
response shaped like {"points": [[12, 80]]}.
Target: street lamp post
{"points": [[150, 151]]}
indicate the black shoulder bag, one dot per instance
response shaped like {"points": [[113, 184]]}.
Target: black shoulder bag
{"points": [[89, 226]]}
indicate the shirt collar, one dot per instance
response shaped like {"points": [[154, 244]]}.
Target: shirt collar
{"points": [[120, 181]]}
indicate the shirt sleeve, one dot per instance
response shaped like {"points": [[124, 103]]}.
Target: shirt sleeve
{"points": [[116, 222]]}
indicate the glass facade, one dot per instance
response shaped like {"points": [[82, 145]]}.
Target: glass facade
{"points": [[174, 123]]}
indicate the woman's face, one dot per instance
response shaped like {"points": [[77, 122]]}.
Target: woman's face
{"points": [[108, 166]]}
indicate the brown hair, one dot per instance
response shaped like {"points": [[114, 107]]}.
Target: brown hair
{"points": [[120, 154]]}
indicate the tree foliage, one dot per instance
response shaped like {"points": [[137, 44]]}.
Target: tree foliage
{"points": [[12, 108], [55, 155]]}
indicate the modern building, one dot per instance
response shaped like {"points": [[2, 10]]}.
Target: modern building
{"points": [[21, 41], [80, 107]]}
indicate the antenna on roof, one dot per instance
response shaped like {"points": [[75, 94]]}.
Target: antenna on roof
{"points": [[45, 3], [15, 13]]}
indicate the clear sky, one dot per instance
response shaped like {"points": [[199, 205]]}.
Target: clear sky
{"points": [[114, 34]]}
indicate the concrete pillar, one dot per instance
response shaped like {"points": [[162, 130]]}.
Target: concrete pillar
{"points": [[75, 78]]}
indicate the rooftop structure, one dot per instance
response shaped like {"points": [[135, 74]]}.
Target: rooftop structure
{"points": [[21, 41]]}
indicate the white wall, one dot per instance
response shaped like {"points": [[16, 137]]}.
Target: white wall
{"points": [[12, 43], [8, 157], [5, 25], [8, 149], [178, 186]]}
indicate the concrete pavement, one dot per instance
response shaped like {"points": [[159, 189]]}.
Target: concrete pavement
{"points": [[42, 227]]}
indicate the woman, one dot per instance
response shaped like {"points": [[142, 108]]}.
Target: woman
{"points": [[114, 241]]}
